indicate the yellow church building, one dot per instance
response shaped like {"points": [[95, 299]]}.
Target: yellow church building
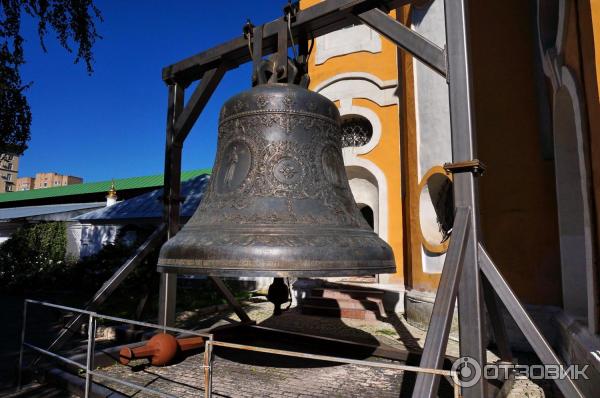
{"points": [[536, 74]]}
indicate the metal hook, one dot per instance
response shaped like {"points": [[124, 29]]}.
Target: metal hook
{"points": [[289, 12], [248, 33]]}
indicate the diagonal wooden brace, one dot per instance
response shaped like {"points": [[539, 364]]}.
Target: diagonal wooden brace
{"points": [[185, 121]]}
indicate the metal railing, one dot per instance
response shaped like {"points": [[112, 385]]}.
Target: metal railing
{"points": [[207, 365], [90, 373], [325, 358]]}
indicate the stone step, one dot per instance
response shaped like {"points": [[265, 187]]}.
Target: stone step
{"points": [[356, 294], [348, 313], [342, 308]]}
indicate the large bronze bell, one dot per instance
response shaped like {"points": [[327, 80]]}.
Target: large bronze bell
{"points": [[279, 202]]}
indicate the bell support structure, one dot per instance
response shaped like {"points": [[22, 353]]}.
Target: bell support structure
{"points": [[469, 273]]}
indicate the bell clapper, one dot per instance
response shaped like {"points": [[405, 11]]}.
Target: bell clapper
{"points": [[278, 294]]}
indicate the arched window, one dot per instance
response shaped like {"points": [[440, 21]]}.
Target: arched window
{"points": [[356, 131]]}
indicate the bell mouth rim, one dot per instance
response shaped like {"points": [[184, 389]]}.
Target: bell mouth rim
{"points": [[286, 228], [328, 270]]}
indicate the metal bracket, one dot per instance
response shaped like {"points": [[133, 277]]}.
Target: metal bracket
{"points": [[474, 166], [445, 55], [248, 29], [280, 58], [291, 9]]}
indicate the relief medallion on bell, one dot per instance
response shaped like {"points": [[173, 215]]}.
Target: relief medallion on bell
{"points": [[236, 164]]}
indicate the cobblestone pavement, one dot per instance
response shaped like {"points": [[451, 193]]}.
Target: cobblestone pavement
{"points": [[243, 378], [233, 379]]}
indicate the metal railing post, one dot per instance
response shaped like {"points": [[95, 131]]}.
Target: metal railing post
{"points": [[208, 368], [23, 327], [89, 364], [456, 384]]}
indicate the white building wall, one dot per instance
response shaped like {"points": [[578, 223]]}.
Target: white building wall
{"points": [[434, 144], [94, 237]]}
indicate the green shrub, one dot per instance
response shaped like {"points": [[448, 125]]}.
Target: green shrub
{"points": [[93, 271], [34, 255], [33, 259]]}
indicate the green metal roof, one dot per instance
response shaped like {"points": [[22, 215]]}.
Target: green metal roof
{"points": [[95, 187]]}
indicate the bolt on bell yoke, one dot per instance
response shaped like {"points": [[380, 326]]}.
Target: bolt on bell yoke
{"points": [[278, 203]]}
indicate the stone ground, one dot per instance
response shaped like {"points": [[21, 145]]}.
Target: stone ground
{"points": [[244, 376]]}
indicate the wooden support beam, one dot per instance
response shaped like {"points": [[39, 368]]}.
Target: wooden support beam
{"points": [[172, 200], [231, 300], [188, 116], [172, 175], [322, 18]]}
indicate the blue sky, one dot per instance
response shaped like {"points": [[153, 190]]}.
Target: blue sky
{"points": [[112, 124]]}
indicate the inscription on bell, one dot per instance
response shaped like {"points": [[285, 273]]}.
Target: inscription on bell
{"points": [[237, 161], [333, 166]]}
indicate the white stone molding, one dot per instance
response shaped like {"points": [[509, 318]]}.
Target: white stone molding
{"points": [[573, 197], [347, 41], [432, 112], [366, 193], [561, 31], [346, 86], [572, 168], [371, 169], [552, 53]]}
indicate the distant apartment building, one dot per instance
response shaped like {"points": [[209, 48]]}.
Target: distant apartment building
{"points": [[9, 167], [25, 183], [46, 180]]}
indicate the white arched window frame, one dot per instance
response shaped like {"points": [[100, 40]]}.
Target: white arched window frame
{"points": [[344, 88]]}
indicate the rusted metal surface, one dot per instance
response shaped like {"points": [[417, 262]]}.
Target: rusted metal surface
{"points": [[190, 343], [161, 349], [279, 202], [474, 166]]}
